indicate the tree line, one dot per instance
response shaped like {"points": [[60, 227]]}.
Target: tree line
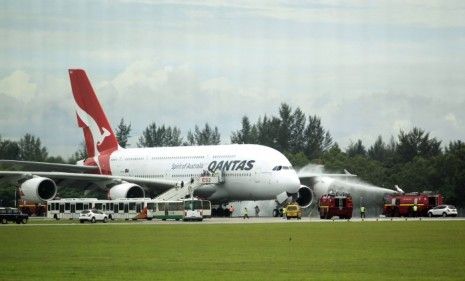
{"points": [[413, 160]]}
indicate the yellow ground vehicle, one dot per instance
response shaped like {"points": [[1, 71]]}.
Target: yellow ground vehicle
{"points": [[293, 211]]}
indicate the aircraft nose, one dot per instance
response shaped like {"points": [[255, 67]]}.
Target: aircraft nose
{"points": [[292, 182]]}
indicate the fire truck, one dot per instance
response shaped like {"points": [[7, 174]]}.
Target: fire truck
{"points": [[402, 204], [336, 204]]}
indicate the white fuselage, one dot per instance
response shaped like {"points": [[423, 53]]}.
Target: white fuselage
{"points": [[251, 172]]}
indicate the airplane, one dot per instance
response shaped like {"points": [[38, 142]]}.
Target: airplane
{"points": [[252, 172], [248, 171]]}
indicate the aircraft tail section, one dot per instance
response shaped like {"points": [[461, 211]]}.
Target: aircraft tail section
{"points": [[98, 134]]}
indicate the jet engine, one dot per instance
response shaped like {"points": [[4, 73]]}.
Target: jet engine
{"points": [[305, 196], [126, 190], [38, 189]]}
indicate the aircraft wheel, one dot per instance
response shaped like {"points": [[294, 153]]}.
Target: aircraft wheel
{"points": [[275, 213]]}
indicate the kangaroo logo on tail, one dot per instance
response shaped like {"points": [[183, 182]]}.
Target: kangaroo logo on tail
{"points": [[99, 137]]}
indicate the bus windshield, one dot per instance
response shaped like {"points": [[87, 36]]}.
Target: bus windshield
{"points": [[192, 205]]}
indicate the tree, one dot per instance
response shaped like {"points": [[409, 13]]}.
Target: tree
{"points": [[417, 143], [9, 150], [378, 150], [248, 133], [356, 148], [317, 139], [451, 171], [30, 148], [80, 154], [297, 137], [285, 127], [268, 131], [206, 136], [122, 133], [298, 160], [154, 136]]}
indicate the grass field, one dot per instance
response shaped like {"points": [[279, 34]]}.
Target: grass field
{"points": [[418, 250]]}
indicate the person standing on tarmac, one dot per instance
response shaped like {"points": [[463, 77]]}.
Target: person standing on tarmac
{"points": [[231, 211], [415, 209], [284, 212], [246, 214], [257, 210], [362, 212]]}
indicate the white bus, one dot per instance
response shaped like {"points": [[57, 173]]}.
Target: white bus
{"points": [[185, 209], [133, 208], [130, 208], [127, 208], [69, 208]]}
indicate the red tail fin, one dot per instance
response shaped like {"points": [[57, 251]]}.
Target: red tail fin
{"points": [[99, 136]]}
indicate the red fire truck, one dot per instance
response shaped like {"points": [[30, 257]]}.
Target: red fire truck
{"points": [[402, 204], [336, 204]]}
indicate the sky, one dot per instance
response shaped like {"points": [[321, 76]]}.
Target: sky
{"points": [[366, 68]]}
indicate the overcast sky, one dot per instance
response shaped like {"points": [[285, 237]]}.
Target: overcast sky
{"points": [[367, 68]]}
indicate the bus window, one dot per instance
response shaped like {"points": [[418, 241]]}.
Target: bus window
{"points": [[121, 206], [126, 208], [151, 206], [79, 206], [132, 206], [98, 206]]}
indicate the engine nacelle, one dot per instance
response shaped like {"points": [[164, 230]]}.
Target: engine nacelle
{"points": [[38, 189], [305, 196], [126, 190]]}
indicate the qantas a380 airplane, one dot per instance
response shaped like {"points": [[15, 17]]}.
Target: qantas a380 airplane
{"points": [[238, 172], [247, 172]]}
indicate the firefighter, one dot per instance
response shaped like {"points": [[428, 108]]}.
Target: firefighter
{"points": [[362, 212]]}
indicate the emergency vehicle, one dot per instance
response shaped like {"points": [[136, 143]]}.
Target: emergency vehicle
{"points": [[402, 204], [336, 204]]}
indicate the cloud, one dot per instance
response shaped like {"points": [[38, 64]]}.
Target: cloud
{"points": [[18, 85]]}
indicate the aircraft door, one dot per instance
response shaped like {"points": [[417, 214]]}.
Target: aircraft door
{"points": [[257, 175]]}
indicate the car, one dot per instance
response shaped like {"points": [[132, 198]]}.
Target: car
{"points": [[92, 216], [443, 210], [293, 211], [12, 214]]}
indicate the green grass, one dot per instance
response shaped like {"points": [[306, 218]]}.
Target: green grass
{"points": [[418, 250]]}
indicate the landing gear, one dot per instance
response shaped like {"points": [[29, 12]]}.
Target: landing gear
{"points": [[275, 213]]}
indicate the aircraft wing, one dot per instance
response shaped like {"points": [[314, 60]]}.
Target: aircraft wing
{"points": [[85, 181], [45, 166]]}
